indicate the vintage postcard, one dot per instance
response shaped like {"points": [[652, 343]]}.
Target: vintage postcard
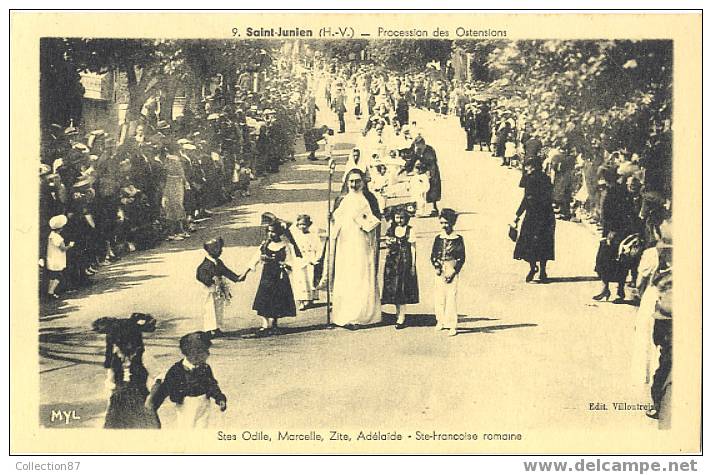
{"points": [[355, 232]]}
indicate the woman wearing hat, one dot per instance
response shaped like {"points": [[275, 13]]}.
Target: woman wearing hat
{"points": [[535, 243], [56, 254]]}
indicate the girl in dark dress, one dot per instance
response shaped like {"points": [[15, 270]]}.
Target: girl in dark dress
{"points": [[535, 243], [274, 297], [400, 279]]}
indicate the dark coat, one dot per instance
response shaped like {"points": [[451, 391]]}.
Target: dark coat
{"points": [[180, 383], [619, 213], [468, 122], [311, 137], [402, 111], [536, 236], [208, 270]]}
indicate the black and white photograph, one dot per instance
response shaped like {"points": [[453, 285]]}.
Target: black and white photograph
{"points": [[417, 239]]}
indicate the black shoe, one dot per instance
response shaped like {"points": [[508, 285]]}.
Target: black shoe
{"points": [[217, 333], [530, 275], [620, 296], [543, 278], [312, 159], [606, 294], [400, 326], [652, 413]]}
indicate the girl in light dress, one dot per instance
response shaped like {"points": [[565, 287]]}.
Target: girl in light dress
{"points": [[56, 254], [379, 184], [419, 185], [510, 152], [310, 246]]}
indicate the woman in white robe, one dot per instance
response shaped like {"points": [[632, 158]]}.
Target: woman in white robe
{"points": [[354, 247]]}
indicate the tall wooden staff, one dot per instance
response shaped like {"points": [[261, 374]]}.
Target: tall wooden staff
{"points": [[328, 263]]}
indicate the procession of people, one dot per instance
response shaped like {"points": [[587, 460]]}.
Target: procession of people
{"points": [[100, 201]]}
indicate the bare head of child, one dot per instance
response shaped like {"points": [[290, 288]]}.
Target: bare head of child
{"points": [[275, 232], [196, 347], [448, 218], [401, 217], [214, 247], [381, 169], [421, 167], [304, 222]]}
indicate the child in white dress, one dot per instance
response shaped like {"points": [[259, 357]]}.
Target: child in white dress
{"points": [[419, 185], [379, 183], [310, 246], [56, 254]]}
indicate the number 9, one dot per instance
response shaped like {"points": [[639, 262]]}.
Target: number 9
{"points": [[235, 31]]}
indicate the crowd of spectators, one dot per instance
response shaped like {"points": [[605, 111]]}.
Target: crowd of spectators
{"points": [[158, 180]]}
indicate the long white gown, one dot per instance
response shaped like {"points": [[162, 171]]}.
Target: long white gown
{"points": [[355, 296], [302, 276]]}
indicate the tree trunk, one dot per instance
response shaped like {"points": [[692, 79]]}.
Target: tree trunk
{"points": [[229, 80], [135, 96], [169, 96]]}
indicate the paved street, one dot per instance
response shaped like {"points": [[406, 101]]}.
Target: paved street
{"points": [[528, 356]]}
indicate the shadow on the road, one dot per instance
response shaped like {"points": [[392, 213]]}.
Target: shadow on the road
{"points": [[475, 319], [494, 328], [437, 231], [62, 343], [558, 280], [429, 320], [343, 146], [411, 320], [114, 281], [57, 310], [282, 331]]}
